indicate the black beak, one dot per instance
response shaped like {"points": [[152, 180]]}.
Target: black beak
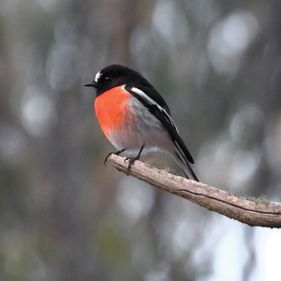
{"points": [[93, 84]]}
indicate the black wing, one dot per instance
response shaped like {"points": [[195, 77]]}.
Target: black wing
{"points": [[163, 116], [150, 91]]}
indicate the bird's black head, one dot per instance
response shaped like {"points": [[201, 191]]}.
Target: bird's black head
{"points": [[112, 76]]}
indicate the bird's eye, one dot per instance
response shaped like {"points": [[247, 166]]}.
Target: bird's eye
{"points": [[106, 78]]}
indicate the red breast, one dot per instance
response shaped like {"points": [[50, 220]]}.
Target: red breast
{"points": [[111, 109]]}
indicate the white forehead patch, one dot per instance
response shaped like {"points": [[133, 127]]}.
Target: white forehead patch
{"points": [[97, 77]]}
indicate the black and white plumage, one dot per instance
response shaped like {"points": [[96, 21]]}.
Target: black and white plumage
{"points": [[151, 126]]}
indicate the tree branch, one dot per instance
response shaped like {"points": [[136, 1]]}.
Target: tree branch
{"points": [[254, 212]]}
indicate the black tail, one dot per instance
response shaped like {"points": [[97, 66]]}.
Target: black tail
{"points": [[183, 158], [184, 165]]}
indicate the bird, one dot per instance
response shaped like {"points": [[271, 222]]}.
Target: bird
{"points": [[135, 118]]}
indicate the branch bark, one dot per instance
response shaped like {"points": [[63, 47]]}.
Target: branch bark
{"points": [[254, 212]]}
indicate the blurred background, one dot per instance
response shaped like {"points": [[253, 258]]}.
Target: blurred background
{"points": [[63, 214]]}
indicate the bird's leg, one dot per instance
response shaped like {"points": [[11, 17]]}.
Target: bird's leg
{"points": [[117, 153], [133, 159]]}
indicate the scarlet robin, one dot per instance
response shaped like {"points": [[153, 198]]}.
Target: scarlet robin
{"points": [[135, 118]]}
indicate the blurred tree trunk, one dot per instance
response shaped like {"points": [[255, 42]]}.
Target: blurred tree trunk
{"points": [[123, 16]]}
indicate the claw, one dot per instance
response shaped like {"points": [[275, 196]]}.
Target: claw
{"points": [[133, 159], [105, 160], [117, 153]]}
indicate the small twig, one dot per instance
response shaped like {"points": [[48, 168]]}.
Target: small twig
{"points": [[253, 212]]}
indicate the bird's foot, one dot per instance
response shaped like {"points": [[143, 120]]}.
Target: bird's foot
{"points": [[117, 153], [131, 160]]}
